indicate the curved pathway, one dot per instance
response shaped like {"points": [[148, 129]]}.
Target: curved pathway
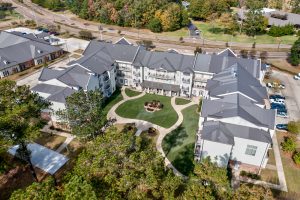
{"points": [[144, 125]]}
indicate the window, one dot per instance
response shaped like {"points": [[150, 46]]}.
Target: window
{"points": [[251, 150]]}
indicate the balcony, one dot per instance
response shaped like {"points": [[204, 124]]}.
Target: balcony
{"points": [[185, 88], [200, 79], [107, 87], [186, 81], [199, 86], [162, 76], [125, 69], [105, 78]]}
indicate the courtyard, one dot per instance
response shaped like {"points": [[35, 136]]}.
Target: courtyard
{"points": [[134, 109]]}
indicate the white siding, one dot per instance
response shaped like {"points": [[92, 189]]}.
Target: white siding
{"points": [[239, 149], [56, 106], [218, 152]]}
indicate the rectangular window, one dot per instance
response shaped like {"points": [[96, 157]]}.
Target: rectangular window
{"points": [[251, 150]]}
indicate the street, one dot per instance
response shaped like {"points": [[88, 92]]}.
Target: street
{"points": [[73, 24], [291, 92]]}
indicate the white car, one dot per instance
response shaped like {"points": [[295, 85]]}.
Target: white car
{"points": [[297, 77], [278, 101]]}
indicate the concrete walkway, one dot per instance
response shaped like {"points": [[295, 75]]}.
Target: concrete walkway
{"points": [[144, 125], [69, 137], [280, 171]]}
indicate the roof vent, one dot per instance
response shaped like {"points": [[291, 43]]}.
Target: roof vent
{"points": [[39, 51]]}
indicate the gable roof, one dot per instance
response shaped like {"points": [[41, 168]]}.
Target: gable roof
{"points": [[236, 79], [236, 105], [164, 60], [17, 49], [227, 53], [74, 76], [216, 63], [56, 93], [123, 41], [225, 133]]}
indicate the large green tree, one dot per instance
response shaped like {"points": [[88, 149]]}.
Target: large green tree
{"points": [[121, 165], [20, 121], [84, 113], [295, 53], [202, 9], [254, 22]]}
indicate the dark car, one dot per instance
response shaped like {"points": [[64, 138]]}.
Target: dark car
{"points": [[45, 30], [282, 127], [40, 29], [276, 96]]}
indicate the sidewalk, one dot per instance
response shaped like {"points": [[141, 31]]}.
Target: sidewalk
{"points": [[69, 137], [144, 125]]}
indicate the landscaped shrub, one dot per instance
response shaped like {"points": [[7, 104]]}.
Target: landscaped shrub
{"points": [[289, 144], [278, 31], [294, 127], [250, 175], [296, 158]]}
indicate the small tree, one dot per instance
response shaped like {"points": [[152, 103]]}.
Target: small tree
{"points": [[197, 50], [181, 39], [289, 144], [252, 53], [244, 53], [296, 158], [148, 44], [263, 56], [87, 35], [155, 25], [295, 53]]}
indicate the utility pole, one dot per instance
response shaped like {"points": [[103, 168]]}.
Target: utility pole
{"points": [[100, 28]]}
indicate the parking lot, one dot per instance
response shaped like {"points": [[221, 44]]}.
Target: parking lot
{"points": [[292, 94]]}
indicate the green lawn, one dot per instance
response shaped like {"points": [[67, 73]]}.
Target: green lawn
{"points": [[291, 171], [216, 33], [11, 16], [180, 101], [134, 109], [213, 32], [112, 100], [179, 144], [131, 93]]}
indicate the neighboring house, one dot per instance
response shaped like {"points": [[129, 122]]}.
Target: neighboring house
{"points": [[19, 52], [275, 17]]}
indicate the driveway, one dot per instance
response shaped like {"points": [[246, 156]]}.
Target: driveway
{"points": [[291, 92]]}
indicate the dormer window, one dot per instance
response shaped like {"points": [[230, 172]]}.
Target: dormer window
{"points": [[39, 51]]}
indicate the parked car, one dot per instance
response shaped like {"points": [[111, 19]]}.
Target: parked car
{"points": [[297, 77], [282, 127], [276, 96], [277, 101], [282, 114], [40, 29], [45, 30], [281, 86], [270, 85]]}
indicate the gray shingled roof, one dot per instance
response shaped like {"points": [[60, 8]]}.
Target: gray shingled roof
{"points": [[217, 63], [236, 105], [157, 85], [236, 79], [123, 41], [292, 18], [227, 53], [15, 49], [56, 93], [75, 76], [164, 60], [217, 131]]}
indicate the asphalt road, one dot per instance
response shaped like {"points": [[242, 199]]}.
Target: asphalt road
{"points": [[73, 24], [291, 92]]}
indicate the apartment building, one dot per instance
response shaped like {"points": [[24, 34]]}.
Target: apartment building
{"points": [[234, 125], [19, 52]]}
